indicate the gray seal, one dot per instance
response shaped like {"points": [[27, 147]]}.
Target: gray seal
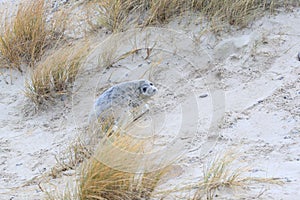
{"points": [[124, 100]]}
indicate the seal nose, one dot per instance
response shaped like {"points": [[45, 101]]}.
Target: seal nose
{"points": [[154, 90]]}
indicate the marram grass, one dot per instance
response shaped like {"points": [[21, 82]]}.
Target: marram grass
{"points": [[54, 76], [24, 37], [117, 15]]}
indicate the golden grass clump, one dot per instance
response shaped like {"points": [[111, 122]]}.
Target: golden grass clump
{"points": [[114, 15], [117, 171], [99, 181], [111, 14], [54, 75], [113, 171], [234, 12], [26, 35], [161, 11]]}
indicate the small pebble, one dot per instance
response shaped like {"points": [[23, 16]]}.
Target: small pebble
{"points": [[280, 78], [288, 180], [63, 97], [69, 173], [203, 95], [299, 56]]}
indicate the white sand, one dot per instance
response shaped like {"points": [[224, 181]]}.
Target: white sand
{"points": [[250, 76]]}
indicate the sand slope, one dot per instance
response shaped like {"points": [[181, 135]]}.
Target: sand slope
{"points": [[240, 91]]}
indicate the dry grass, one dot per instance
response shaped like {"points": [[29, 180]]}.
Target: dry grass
{"points": [[223, 172], [112, 14], [234, 12], [26, 35], [109, 56], [54, 76], [115, 15], [164, 10], [112, 52], [113, 175], [97, 179], [71, 158], [84, 146], [101, 175]]}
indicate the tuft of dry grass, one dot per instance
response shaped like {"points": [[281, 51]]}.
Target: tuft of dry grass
{"points": [[71, 158], [101, 177], [162, 11], [97, 179], [114, 15], [85, 145], [111, 14], [54, 75], [222, 172], [234, 12], [117, 168], [26, 35]]}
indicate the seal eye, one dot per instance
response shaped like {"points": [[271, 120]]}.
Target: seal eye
{"points": [[151, 84], [144, 89]]}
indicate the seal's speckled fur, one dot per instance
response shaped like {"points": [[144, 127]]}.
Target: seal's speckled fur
{"points": [[122, 98]]}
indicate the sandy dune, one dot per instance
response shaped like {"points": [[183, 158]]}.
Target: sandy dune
{"points": [[237, 92]]}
